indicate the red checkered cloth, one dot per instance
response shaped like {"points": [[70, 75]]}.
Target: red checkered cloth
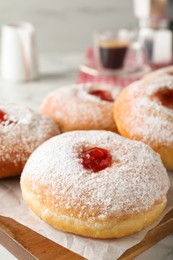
{"points": [[85, 76]]}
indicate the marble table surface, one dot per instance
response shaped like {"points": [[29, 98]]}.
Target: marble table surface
{"points": [[62, 70]]}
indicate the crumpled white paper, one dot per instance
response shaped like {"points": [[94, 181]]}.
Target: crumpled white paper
{"points": [[13, 206]]}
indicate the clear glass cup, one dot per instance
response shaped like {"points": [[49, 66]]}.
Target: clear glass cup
{"points": [[118, 52]]}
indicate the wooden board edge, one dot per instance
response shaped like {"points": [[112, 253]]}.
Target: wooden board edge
{"points": [[25, 243], [163, 229]]}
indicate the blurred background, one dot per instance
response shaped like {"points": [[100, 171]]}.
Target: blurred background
{"points": [[68, 25]]}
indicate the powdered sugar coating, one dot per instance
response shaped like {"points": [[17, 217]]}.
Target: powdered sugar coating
{"points": [[83, 90], [158, 84], [135, 181], [73, 108], [144, 115], [167, 71], [22, 132]]}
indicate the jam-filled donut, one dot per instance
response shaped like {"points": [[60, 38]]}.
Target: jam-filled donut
{"points": [[82, 107], [21, 131], [166, 71], [95, 184], [144, 111]]}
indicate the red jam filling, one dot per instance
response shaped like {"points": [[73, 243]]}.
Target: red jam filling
{"points": [[4, 119], [102, 94], [170, 72], [166, 97], [2, 116], [96, 159]]}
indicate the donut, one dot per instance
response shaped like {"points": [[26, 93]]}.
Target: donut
{"points": [[95, 183], [21, 131], [166, 71], [144, 112], [82, 107]]}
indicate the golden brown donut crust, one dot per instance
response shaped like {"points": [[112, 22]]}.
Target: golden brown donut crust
{"points": [[19, 138], [111, 228], [73, 108], [139, 115], [104, 204], [163, 72]]}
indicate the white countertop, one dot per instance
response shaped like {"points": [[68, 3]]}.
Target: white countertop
{"points": [[60, 70], [55, 70]]}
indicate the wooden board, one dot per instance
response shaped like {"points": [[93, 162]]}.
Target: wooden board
{"points": [[27, 244]]}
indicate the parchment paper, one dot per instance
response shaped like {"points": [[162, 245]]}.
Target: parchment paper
{"points": [[13, 206]]}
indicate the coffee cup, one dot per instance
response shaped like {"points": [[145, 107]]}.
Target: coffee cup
{"points": [[110, 48], [113, 51]]}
